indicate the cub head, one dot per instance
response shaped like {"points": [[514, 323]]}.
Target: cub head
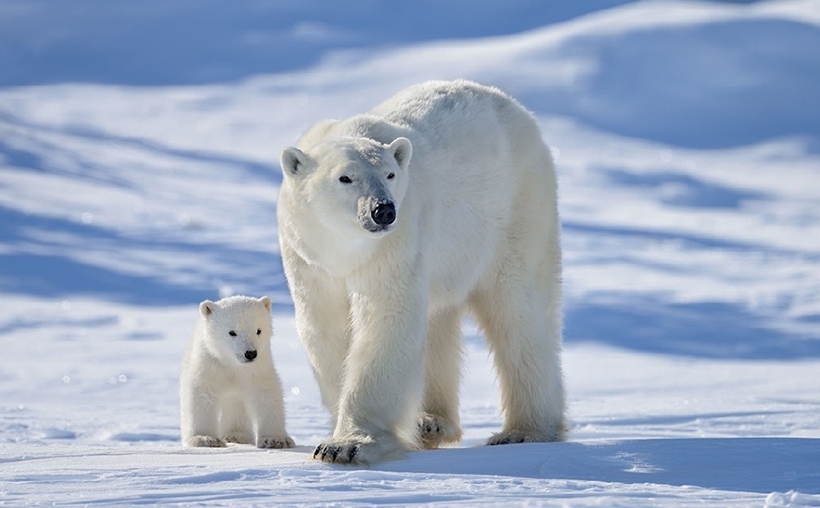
{"points": [[238, 328], [350, 183]]}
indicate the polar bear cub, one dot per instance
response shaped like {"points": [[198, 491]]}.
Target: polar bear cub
{"points": [[229, 389], [393, 224]]}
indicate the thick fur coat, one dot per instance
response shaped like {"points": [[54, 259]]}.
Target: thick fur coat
{"points": [[229, 389], [393, 224]]}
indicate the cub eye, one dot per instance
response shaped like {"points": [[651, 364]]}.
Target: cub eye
{"points": [[232, 333], [258, 331], [391, 176], [345, 179]]}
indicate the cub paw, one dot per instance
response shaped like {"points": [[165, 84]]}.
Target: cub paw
{"points": [[435, 430], [205, 442], [275, 442], [238, 438]]}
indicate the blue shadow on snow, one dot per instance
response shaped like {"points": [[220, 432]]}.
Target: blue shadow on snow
{"points": [[762, 465], [684, 190], [714, 85], [31, 160], [154, 42], [709, 330], [55, 276], [643, 322]]}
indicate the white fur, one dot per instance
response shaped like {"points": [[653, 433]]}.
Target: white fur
{"points": [[224, 396], [379, 308]]}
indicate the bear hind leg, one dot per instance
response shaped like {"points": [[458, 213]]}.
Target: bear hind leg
{"points": [[439, 421], [522, 324]]}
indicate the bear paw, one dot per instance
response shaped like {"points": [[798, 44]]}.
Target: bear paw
{"points": [[435, 430], [275, 442], [337, 453], [205, 442], [520, 436], [363, 451]]}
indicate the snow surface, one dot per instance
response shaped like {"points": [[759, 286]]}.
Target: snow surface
{"points": [[139, 174]]}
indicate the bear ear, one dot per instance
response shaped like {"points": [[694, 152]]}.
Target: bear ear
{"points": [[293, 161], [266, 301], [206, 308], [401, 149]]}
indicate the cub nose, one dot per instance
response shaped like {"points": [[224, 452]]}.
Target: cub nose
{"points": [[250, 355], [384, 214]]}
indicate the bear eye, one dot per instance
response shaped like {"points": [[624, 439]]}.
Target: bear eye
{"points": [[258, 331], [391, 176], [345, 179], [232, 333]]}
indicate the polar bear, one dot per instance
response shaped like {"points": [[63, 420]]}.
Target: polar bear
{"points": [[392, 225], [229, 389]]}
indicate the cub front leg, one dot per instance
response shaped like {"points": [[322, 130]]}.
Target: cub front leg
{"points": [[199, 418], [268, 409], [234, 424]]}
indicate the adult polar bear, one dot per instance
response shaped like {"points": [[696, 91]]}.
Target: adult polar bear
{"points": [[394, 223]]}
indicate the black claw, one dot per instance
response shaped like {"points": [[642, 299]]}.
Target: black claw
{"points": [[331, 453], [500, 441]]}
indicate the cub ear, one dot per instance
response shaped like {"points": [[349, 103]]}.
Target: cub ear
{"points": [[206, 308], [266, 302], [293, 161], [402, 150]]}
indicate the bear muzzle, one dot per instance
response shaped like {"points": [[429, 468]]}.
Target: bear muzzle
{"points": [[377, 215], [250, 355]]}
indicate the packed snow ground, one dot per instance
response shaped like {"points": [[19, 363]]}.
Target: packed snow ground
{"points": [[686, 138]]}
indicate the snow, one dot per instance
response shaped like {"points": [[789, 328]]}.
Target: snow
{"points": [[139, 173]]}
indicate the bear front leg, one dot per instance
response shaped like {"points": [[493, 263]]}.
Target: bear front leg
{"points": [[322, 311], [384, 373]]}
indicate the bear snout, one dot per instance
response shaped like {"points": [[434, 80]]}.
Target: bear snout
{"points": [[384, 214], [376, 214], [250, 355]]}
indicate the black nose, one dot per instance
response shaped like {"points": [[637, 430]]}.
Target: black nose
{"points": [[384, 214], [250, 355]]}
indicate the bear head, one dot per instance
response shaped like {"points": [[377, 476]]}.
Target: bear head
{"points": [[352, 185], [237, 328]]}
